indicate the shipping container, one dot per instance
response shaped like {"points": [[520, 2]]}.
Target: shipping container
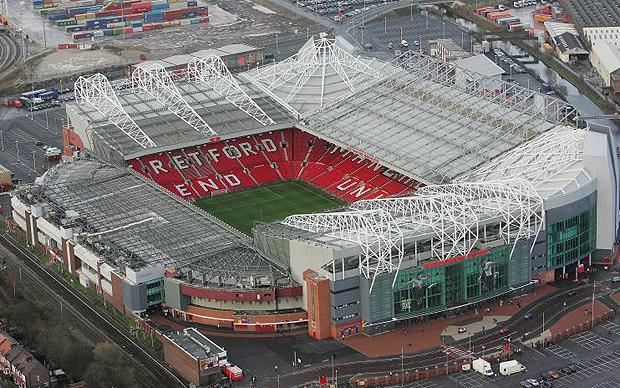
{"points": [[479, 10], [542, 18], [79, 27], [498, 15], [504, 22], [82, 35], [143, 6], [66, 22], [488, 11]]}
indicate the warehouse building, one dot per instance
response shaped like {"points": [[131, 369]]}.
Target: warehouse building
{"points": [[197, 359], [605, 58]]}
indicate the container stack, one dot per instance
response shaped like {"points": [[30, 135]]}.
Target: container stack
{"points": [[96, 18], [502, 17]]}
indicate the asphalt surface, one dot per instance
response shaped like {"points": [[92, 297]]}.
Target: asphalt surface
{"points": [[552, 306], [19, 133], [97, 326], [383, 30]]}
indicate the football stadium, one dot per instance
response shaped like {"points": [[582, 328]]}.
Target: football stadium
{"points": [[327, 192]]}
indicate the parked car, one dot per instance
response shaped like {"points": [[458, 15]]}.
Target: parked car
{"points": [[528, 316], [548, 384], [504, 330], [615, 279], [573, 368], [525, 384], [565, 371], [553, 374], [533, 382], [461, 330]]}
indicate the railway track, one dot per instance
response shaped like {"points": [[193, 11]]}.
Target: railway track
{"points": [[76, 309], [10, 52]]}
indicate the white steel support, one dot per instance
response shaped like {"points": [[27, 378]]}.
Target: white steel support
{"points": [[155, 80], [535, 161], [97, 91], [516, 201], [375, 231], [451, 219], [212, 72]]}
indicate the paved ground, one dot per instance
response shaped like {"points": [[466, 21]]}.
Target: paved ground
{"points": [[598, 367], [19, 132], [578, 316], [387, 29], [427, 335]]}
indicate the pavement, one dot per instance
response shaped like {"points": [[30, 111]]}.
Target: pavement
{"points": [[428, 334], [479, 325], [19, 133]]}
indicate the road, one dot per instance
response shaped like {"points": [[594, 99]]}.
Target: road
{"points": [[55, 293], [553, 307]]}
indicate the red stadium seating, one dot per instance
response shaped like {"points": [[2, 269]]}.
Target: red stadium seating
{"points": [[217, 167]]}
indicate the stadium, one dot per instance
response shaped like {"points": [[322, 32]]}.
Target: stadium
{"points": [[327, 192]]}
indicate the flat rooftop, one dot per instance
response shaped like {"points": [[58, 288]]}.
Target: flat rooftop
{"points": [[195, 344], [594, 13]]}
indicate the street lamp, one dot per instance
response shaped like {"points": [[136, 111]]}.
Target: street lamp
{"points": [[592, 309], [278, 375]]}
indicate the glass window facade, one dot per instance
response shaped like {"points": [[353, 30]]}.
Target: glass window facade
{"points": [[571, 239], [155, 292], [427, 290]]}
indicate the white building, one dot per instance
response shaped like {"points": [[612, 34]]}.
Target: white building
{"points": [[602, 34], [605, 58]]}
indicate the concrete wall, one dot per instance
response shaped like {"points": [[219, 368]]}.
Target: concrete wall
{"points": [[600, 162], [134, 296]]}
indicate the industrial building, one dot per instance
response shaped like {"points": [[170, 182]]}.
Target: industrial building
{"points": [[459, 188], [605, 58], [198, 359], [565, 39]]}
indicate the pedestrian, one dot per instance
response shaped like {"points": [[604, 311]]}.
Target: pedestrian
{"points": [[410, 344]]}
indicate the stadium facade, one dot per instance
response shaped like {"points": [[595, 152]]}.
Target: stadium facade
{"points": [[460, 189]]}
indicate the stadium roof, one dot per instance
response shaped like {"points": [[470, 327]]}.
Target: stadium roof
{"points": [[509, 189], [134, 223], [432, 123], [320, 73], [480, 64], [153, 110]]}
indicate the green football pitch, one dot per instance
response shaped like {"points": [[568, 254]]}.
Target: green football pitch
{"points": [[267, 203]]}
